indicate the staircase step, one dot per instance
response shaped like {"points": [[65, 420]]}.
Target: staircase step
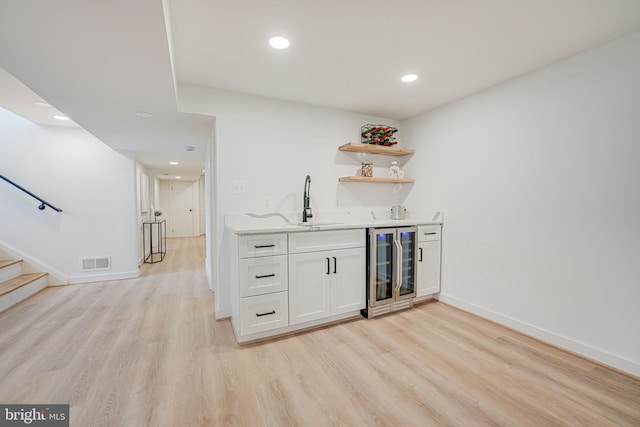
{"points": [[18, 282], [10, 269], [9, 262]]}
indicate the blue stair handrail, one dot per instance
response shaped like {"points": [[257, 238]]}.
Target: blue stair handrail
{"points": [[43, 203]]}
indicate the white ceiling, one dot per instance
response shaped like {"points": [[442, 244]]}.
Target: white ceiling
{"points": [[21, 100], [101, 62]]}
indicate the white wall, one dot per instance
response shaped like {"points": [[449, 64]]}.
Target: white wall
{"points": [[94, 185], [211, 210], [540, 181], [144, 184], [202, 204], [271, 146]]}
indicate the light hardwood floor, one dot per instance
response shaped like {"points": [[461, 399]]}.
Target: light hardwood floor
{"points": [[148, 352]]}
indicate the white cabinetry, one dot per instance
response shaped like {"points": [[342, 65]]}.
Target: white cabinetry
{"points": [[262, 245], [429, 251], [310, 294], [263, 313], [263, 275], [348, 280], [283, 282], [262, 284], [326, 274]]}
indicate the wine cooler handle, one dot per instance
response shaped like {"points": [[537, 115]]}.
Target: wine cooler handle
{"points": [[398, 265], [420, 260]]}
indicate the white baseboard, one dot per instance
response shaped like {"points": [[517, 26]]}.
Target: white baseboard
{"points": [[223, 314], [585, 350], [104, 277]]}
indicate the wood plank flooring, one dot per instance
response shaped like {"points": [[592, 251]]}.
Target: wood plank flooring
{"points": [[148, 352]]}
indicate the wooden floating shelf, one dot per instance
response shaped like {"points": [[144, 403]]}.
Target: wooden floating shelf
{"points": [[375, 179], [359, 147]]}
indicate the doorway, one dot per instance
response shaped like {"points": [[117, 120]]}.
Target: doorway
{"points": [[180, 201]]}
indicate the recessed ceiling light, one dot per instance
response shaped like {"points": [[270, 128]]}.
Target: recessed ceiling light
{"points": [[178, 177], [173, 163], [407, 78], [144, 114], [61, 117], [279, 42], [42, 104]]}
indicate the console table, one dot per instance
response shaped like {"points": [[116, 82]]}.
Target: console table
{"points": [[160, 228]]}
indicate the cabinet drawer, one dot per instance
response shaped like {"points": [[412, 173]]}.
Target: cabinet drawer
{"points": [[262, 245], [312, 241], [428, 233], [263, 275], [263, 313]]}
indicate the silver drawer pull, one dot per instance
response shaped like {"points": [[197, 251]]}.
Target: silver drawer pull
{"points": [[263, 246], [265, 314], [266, 275]]}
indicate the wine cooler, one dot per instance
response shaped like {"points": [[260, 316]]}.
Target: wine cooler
{"points": [[391, 269]]}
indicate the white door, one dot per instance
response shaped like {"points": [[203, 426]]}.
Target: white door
{"points": [[182, 215], [428, 268], [309, 289], [348, 282]]}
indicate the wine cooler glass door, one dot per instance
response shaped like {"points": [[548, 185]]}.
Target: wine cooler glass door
{"points": [[383, 264], [407, 238]]}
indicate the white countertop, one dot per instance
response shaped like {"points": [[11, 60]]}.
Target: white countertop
{"points": [[274, 222]]}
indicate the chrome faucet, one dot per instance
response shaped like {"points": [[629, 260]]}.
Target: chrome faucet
{"points": [[306, 209]]}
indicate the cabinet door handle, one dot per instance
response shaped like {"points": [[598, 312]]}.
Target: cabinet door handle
{"points": [[430, 234], [265, 314], [263, 246], [266, 275], [420, 260], [328, 262], [335, 265]]}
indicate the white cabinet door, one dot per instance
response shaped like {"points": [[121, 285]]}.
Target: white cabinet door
{"points": [[428, 268], [348, 282], [309, 290]]}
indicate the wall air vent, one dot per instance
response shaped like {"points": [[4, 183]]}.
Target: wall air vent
{"points": [[96, 263]]}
